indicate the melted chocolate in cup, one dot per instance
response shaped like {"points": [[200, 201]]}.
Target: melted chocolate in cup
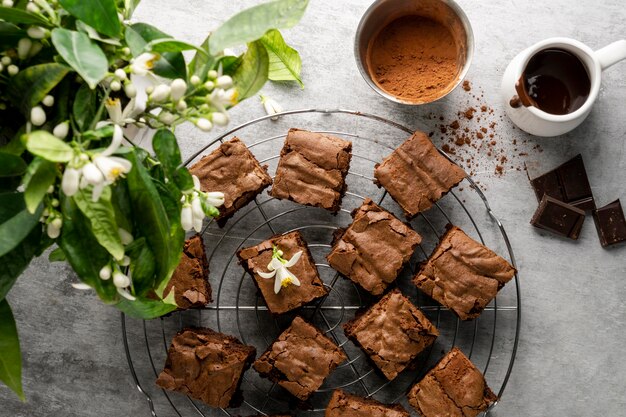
{"points": [[555, 81]]}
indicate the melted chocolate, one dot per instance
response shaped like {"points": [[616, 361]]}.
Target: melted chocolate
{"points": [[555, 81]]}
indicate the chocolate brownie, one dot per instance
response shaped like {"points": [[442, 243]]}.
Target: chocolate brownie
{"points": [[290, 297], [234, 171], [343, 404], [207, 365], [190, 280], [416, 175], [392, 332], [462, 274], [300, 359], [374, 248], [312, 169], [454, 387]]}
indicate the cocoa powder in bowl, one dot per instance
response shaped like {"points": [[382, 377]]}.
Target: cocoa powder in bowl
{"points": [[415, 58]]}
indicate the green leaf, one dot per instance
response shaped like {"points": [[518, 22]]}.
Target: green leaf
{"points": [[15, 262], [10, 35], [83, 251], [130, 6], [170, 45], [145, 308], [100, 14], [40, 176], [202, 63], [168, 152], [32, 84], [285, 62], [93, 34], [16, 221], [170, 64], [101, 216], [82, 54], [251, 74], [18, 16], [10, 356], [141, 267], [48, 146], [251, 24], [152, 219], [11, 165], [84, 107], [57, 255]]}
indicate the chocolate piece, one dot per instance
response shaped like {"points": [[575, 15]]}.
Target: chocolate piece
{"points": [[558, 217], [190, 279], [463, 274], [374, 248], [454, 387], [416, 175], [343, 404], [300, 359], [312, 169], [207, 366], [567, 183], [392, 332], [256, 258], [234, 171], [610, 223]]}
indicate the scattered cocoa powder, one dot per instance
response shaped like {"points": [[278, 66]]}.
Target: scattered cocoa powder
{"points": [[467, 86], [414, 58]]}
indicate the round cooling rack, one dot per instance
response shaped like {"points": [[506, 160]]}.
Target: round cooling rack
{"points": [[490, 340]]}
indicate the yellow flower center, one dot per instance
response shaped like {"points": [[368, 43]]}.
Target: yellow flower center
{"points": [[285, 282], [150, 62]]}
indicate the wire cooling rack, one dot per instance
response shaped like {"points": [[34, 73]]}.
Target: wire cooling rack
{"points": [[490, 341]]}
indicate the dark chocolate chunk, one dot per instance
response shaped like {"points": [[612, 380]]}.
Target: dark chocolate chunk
{"points": [[610, 223], [190, 280], [568, 183], [558, 217]]}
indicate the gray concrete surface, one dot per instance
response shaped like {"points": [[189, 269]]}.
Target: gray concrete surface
{"points": [[570, 358]]}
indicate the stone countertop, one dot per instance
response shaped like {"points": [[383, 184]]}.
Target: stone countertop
{"points": [[569, 361]]}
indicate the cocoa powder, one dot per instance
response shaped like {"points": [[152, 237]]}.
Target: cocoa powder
{"points": [[414, 58]]}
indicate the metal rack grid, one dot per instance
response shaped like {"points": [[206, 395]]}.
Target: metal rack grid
{"points": [[490, 341]]}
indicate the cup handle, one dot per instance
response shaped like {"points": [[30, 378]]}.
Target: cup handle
{"points": [[611, 54]]}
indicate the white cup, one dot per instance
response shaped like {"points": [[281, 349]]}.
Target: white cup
{"points": [[538, 122]]}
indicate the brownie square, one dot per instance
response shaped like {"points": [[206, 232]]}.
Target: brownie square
{"points": [[234, 171], [257, 258], [300, 359], [558, 217], [207, 366], [312, 169], [454, 387], [190, 280], [416, 175], [374, 248], [392, 332], [348, 405], [463, 274], [610, 224]]}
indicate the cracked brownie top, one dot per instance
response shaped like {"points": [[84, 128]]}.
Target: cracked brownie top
{"points": [[300, 359], [347, 405], [454, 387], [190, 280], [312, 169]]}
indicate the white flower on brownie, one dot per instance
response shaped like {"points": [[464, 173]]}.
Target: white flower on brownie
{"points": [[278, 269]]}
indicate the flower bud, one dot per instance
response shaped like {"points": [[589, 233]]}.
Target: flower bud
{"points": [[225, 81], [178, 89], [32, 8], [55, 202], [120, 280], [48, 101], [35, 49], [57, 223], [220, 119], [70, 181], [126, 50], [161, 93], [92, 174], [125, 261], [196, 208], [186, 218], [194, 80], [166, 118], [215, 198], [13, 70], [204, 124], [212, 74], [37, 116], [209, 85], [120, 74], [53, 231], [5, 60], [50, 189], [271, 106], [197, 223], [125, 236], [61, 130], [181, 106], [7, 3], [36, 32], [23, 47], [115, 85], [130, 90], [105, 272]]}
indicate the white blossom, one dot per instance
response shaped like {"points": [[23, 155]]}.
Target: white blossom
{"points": [[13, 69], [7, 3], [61, 130], [32, 8], [186, 218], [105, 272], [54, 228], [194, 80], [92, 174], [116, 114], [115, 85], [6, 60], [120, 74], [161, 93], [220, 119], [48, 101], [130, 90], [271, 106], [81, 286], [125, 236], [124, 293], [178, 89], [204, 124], [23, 48], [120, 280], [224, 81], [166, 118], [144, 63], [70, 181], [278, 268], [37, 116], [215, 198], [36, 32]]}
